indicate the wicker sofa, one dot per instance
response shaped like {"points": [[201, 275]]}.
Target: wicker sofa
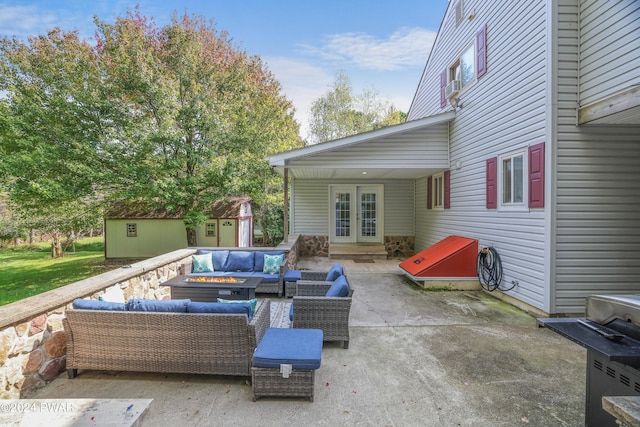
{"points": [[215, 344], [243, 263], [312, 309]]}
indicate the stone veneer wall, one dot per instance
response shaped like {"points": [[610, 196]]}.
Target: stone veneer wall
{"points": [[400, 246], [311, 246], [32, 340], [396, 246]]}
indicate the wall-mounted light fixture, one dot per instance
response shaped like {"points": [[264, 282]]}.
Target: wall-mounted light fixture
{"points": [[455, 103]]}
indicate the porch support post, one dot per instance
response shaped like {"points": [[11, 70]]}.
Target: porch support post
{"points": [[286, 205]]}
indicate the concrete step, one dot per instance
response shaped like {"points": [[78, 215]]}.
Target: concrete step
{"points": [[357, 251]]}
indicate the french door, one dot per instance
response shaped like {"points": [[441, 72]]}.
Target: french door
{"points": [[356, 213]]}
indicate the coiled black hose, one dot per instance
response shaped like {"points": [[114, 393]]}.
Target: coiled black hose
{"points": [[489, 268]]}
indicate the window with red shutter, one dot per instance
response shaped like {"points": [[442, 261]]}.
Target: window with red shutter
{"points": [[492, 183], [447, 188], [443, 87], [481, 52], [536, 176], [429, 193]]}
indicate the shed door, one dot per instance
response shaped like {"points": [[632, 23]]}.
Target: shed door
{"points": [[356, 214], [228, 232]]}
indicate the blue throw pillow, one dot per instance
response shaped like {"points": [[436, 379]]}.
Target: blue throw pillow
{"points": [[91, 304], [272, 264], [201, 263], [259, 258], [334, 272], [220, 308], [219, 258], [240, 261], [340, 288], [163, 306]]}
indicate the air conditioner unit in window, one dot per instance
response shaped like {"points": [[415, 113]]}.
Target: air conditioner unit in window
{"points": [[453, 88]]}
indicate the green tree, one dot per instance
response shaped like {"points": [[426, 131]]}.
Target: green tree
{"points": [[50, 126], [175, 116], [204, 115], [340, 113]]}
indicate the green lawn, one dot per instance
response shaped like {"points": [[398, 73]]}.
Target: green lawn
{"points": [[29, 270]]}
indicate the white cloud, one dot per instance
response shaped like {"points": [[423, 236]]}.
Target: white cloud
{"points": [[405, 47], [23, 21], [302, 83]]}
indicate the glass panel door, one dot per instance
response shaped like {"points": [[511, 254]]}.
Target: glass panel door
{"points": [[342, 214], [356, 214], [368, 213]]}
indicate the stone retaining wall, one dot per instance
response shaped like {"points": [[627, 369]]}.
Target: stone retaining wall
{"points": [[32, 340]]}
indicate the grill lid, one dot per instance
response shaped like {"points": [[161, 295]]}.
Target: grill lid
{"points": [[604, 309]]}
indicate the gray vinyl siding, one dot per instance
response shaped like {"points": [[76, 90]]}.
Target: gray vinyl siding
{"points": [[311, 205], [609, 53], [598, 178], [503, 111], [431, 150]]}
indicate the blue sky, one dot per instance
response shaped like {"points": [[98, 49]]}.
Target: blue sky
{"points": [[381, 45]]}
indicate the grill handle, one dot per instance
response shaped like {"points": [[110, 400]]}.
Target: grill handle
{"points": [[607, 335]]}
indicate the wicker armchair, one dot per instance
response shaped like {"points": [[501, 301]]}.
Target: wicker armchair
{"points": [[313, 310], [307, 276]]}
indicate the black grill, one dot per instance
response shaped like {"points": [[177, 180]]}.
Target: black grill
{"points": [[611, 334]]}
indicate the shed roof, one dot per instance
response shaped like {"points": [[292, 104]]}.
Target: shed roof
{"points": [[139, 209]]}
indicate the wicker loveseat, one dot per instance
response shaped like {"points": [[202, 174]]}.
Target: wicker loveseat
{"points": [[243, 263], [194, 343], [313, 309]]}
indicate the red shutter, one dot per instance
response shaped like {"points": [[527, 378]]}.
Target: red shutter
{"points": [[443, 87], [481, 51], [536, 176], [429, 193], [492, 183], [447, 185]]}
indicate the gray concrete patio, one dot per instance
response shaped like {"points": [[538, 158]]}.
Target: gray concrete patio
{"points": [[416, 358]]}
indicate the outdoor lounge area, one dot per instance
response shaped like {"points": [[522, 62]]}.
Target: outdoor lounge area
{"points": [[415, 358]]}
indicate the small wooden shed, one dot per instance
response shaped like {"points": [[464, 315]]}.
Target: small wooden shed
{"points": [[132, 230]]}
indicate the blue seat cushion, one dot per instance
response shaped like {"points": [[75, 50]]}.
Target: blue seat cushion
{"points": [[165, 306], [301, 348], [92, 304], [334, 272], [292, 275], [219, 258], [220, 308], [252, 302], [267, 278], [339, 288], [239, 261]]}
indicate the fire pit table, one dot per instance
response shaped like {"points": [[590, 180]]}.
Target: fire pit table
{"points": [[208, 288]]}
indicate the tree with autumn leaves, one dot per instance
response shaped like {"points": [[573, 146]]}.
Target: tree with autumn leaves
{"points": [[176, 116]]}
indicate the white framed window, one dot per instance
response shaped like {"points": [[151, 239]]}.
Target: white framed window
{"points": [[437, 191], [211, 229], [132, 230], [512, 181], [464, 67]]}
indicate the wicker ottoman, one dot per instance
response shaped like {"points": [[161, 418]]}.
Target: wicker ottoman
{"points": [[285, 362]]}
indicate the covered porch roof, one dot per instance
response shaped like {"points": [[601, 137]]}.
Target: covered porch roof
{"points": [[405, 151]]}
